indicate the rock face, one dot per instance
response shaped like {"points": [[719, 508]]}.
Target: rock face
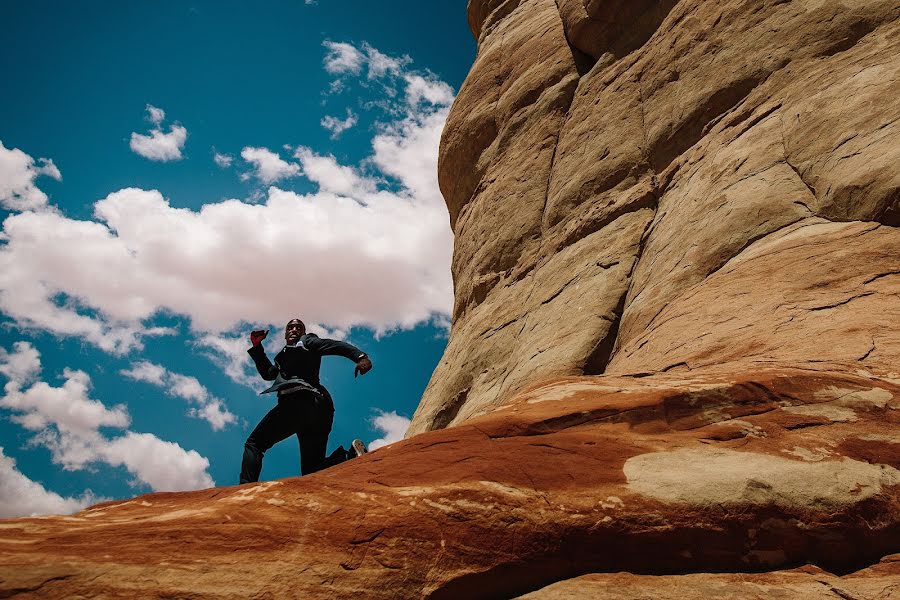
{"points": [[717, 470], [649, 185], [807, 583], [674, 366]]}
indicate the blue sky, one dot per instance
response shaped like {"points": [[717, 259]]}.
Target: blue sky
{"points": [[173, 175]]}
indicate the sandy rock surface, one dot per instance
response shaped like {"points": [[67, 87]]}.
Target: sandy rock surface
{"points": [[808, 583], [671, 141], [714, 471]]}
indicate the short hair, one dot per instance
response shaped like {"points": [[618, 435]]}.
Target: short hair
{"points": [[302, 324]]}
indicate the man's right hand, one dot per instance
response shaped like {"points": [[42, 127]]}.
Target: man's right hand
{"points": [[256, 337]]}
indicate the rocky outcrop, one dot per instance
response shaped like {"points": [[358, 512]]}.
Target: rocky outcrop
{"points": [[718, 470], [673, 365], [806, 583], [640, 186]]}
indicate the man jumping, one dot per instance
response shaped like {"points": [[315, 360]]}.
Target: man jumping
{"points": [[304, 408]]}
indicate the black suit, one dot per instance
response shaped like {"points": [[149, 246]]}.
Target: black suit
{"points": [[302, 412]]}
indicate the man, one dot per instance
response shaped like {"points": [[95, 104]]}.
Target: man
{"points": [[304, 408]]}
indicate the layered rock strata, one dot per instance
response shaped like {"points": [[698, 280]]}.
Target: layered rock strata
{"points": [[673, 365], [641, 186], [717, 470]]}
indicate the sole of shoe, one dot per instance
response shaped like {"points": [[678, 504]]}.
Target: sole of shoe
{"points": [[358, 447]]}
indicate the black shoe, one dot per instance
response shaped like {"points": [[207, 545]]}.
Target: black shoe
{"points": [[337, 457], [357, 448]]}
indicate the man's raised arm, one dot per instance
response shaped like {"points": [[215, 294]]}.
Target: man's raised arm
{"points": [[326, 347], [266, 369]]}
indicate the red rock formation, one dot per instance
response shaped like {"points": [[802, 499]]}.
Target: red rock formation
{"points": [[674, 350], [715, 471]]}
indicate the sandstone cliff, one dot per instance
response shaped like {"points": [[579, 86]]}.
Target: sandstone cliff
{"points": [[658, 185], [674, 366]]}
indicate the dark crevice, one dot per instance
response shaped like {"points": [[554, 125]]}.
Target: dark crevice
{"points": [[868, 352], [857, 31], [692, 128], [840, 303], [588, 227], [657, 193], [747, 244], [678, 365], [787, 161], [449, 411], [10, 592], [598, 359], [879, 276]]}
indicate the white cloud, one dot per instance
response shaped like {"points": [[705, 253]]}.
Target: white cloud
{"points": [[370, 247], [21, 366], [68, 408], [22, 497], [157, 145], [144, 370], [337, 126], [268, 166], [215, 413], [331, 176], [381, 64], [430, 88], [164, 466], [392, 425], [342, 58], [67, 422], [155, 115], [222, 160], [230, 354], [185, 387], [17, 174]]}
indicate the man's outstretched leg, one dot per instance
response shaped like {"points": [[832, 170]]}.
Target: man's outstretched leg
{"points": [[278, 424], [317, 416]]}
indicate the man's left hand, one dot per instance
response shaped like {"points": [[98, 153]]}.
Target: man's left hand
{"points": [[363, 366]]}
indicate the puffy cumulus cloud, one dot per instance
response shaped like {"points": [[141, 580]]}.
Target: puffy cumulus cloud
{"points": [[67, 408], [222, 160], [21, 366], [188, 388], [157, 145], [67, 422], [164, 466], [229, 352], [342, 58], [369, 247], [348, 255], [333, 177], [427, 88], [23, 497], [144, 370], [338, 126], [268, 167], [17, 174], [42, 289], [155, 115], [381, 64], [391, 425]]}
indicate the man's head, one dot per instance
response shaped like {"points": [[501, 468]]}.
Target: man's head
{"points": [[293, 330]]}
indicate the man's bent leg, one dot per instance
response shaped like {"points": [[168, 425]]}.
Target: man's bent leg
{"points": [[318, 415], [312, 451], [277, 425]]}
